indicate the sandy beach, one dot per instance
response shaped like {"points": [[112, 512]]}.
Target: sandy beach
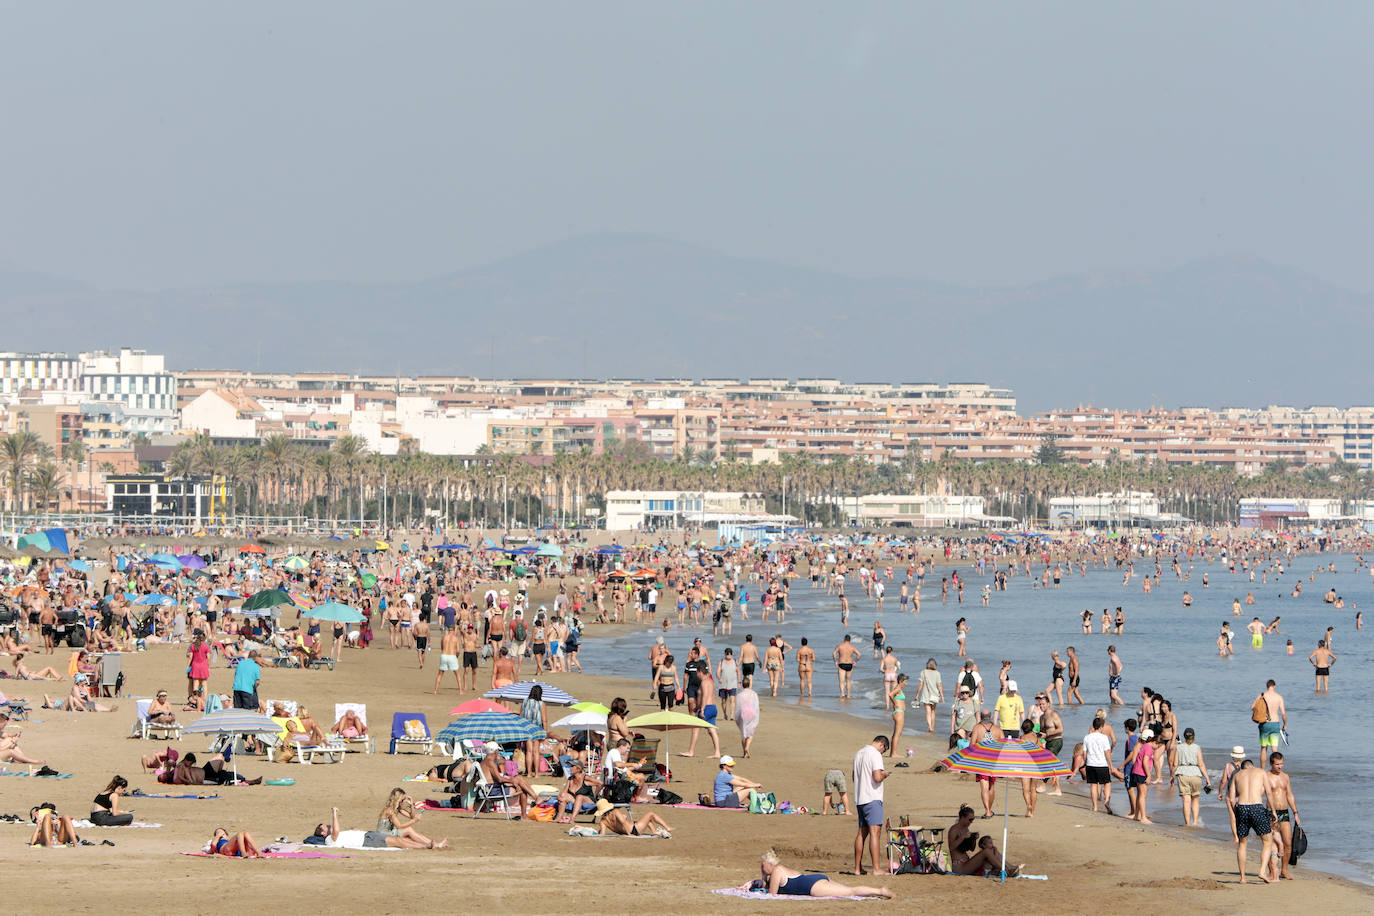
{"points": [[1090, 860]]}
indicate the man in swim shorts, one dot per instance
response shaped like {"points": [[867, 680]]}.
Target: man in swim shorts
{"points": [[448, 657], [1256, 633], [1250, 799], [1114, 668], [1276, 723], [836, 792]]}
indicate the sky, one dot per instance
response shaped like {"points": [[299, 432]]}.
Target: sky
{"points": [[150, 145]]}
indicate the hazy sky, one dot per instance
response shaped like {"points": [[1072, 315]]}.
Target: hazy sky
{"points": [[150, 145]]}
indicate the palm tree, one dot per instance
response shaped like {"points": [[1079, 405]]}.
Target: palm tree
{"points": [[349, 451], [278, 451], [20, 449], [46, 483]]}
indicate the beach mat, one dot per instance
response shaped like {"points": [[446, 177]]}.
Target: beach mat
{"points": [[140, 794], [431, 806], [744, 891], [703, 807], [36, 776], [84, 824], [299, 854]]}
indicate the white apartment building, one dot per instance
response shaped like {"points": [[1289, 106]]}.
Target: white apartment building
{"points": [[627, 510], [1350, 430], [138, 380], [922, 510], [1105, 509], [38, 372]]}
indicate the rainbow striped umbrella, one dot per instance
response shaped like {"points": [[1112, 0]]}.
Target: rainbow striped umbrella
{"points": [[1012, 758]]}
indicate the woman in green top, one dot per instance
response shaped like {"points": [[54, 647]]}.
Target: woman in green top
{"points": [[898, 700]]}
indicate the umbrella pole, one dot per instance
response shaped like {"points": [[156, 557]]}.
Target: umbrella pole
{"points": [[1006, 812]]}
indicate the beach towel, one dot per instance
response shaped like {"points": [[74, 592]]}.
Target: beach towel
{"points": [[591, 833], [302, 854], [744, 891], [431, 805], [139, 793], [705, 807], [84, 824], [37, 776]]}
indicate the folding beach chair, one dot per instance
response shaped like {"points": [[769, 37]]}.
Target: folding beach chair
{"points": [[486, 794], [644, 755], [363, 742], [148, 730], [410, 729], [111, 677], [18, 709]]}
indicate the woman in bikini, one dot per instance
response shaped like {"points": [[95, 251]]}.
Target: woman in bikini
{"points": [[779, 879], [240, 845]]}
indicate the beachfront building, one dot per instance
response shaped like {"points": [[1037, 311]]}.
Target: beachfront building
{"points": [[159, 496], [1278, 512], [1106, 510], [1350, 430], [630, 510], [35, 373], [923, 510], [137, 380], [57, 426]]}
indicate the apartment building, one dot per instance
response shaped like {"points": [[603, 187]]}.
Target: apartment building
{"points": [[35, 373]]}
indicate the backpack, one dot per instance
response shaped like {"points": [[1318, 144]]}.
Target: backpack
{"points": [[520, 632], [1259, 710], [1299, 845], [969, 682], [620, 792]]}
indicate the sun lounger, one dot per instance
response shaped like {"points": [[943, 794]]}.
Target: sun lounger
{"points": [[364, 742], [111, 683], [410, 730]]}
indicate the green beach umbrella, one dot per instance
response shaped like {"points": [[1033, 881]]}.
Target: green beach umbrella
{"points": [[369, 580], [269, 598]]}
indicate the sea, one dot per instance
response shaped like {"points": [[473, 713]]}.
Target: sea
{"points": [[1165, 646]]}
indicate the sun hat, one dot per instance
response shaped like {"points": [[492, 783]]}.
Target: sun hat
{"points": [[726, 760], [1237, 752], [602, 806], [491, 746]]}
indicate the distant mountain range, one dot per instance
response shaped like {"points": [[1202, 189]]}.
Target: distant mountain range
{"points": [[1227, 331]]}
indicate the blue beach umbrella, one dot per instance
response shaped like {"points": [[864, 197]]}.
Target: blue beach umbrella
{"points": [[554, 696], [339, 613], [501, 727], [156, 599]]}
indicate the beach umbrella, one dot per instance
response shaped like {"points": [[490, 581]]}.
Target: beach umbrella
{"points": [[368, 580], [226, 593], [582, 722], [665, 721], [383, 545], [296, 564], [520, 690], [477, 705], [549, 550], [192, 561], [233, 722], [589, 706], [501, 727], [251, 548], [1011, 758], [503, 562], [156, 598], [79, 566], [453, 547], [266, 599], [339, 613]]}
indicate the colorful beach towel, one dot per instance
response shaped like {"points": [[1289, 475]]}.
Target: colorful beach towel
{"points": [[744, 891], [302, 854], [36, 776], [84, 824], [139, 793], [704, 807]]}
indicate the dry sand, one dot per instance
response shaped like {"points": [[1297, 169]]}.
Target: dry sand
{"points": [[1091, 860]]}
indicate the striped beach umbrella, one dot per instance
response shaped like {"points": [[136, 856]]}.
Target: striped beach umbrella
{"points": [[1012, 758], [233, 722], [501, 727], [520, 691]]}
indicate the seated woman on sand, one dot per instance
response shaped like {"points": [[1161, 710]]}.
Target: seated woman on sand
{"points": [[398, 820], [979, 856], [330, 835], [240, 845], [12, 645], [79, 700], [350, 726], [779, 879]]}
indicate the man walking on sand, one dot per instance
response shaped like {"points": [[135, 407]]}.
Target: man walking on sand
{"points": [[869, 777], [1275, 722], [1254, 810], [1285, 807], [449, 645]]}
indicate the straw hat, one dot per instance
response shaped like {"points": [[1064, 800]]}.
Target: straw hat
{"points": [[602, 806], [1237, 752]]}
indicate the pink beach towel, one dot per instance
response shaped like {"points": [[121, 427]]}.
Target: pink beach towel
{"points": [[743, 891]]}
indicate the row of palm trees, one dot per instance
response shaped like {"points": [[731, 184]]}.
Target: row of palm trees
{"points": [[283, 476]]}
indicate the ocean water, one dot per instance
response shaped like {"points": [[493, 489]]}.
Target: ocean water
{"points": [[1164, 646]]}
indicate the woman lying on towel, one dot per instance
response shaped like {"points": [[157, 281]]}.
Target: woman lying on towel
{"points": [[330, 835], [612, 820], [779, 879], [239, 845]]}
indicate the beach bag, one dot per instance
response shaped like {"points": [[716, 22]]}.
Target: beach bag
{"points": [[762, 802], [666, 796], [544, 813], [1259, 710], [520, 632], [284, 754], [621, 792], [1298, 847]]}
